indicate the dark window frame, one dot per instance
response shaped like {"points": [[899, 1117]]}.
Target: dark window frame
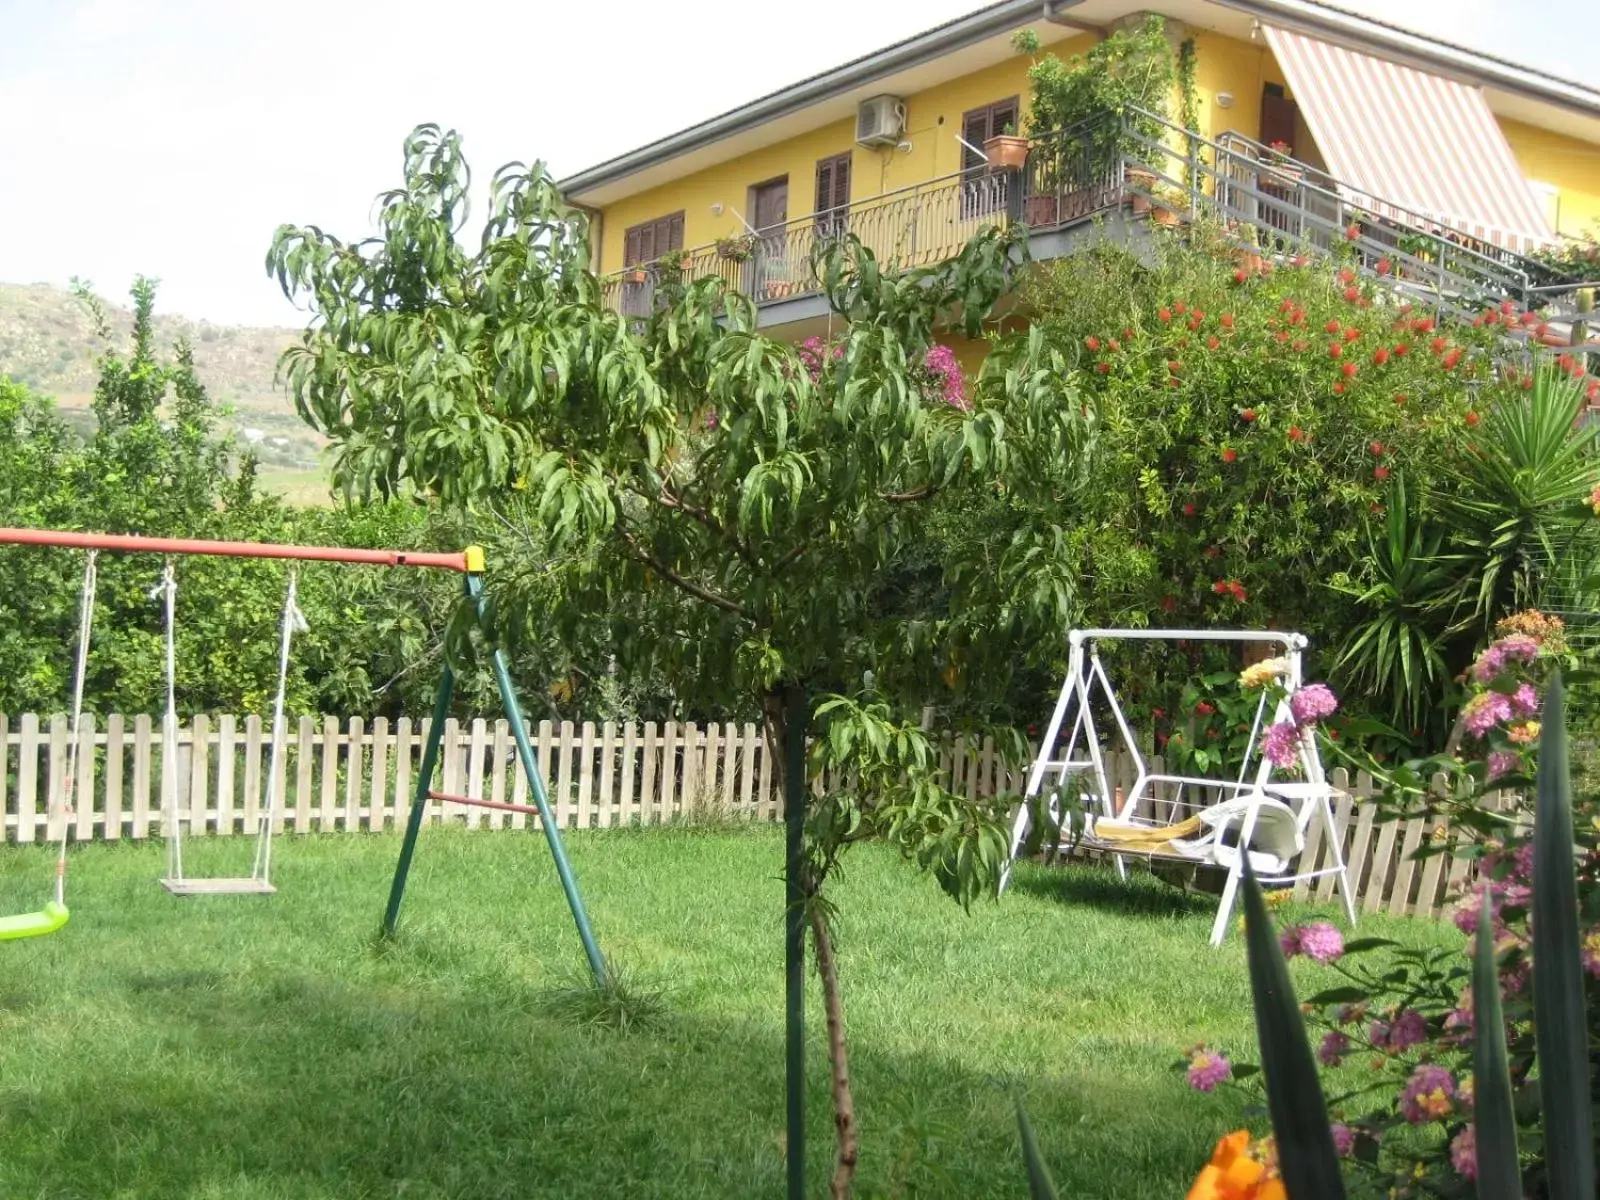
{"points": [[633, 236]]}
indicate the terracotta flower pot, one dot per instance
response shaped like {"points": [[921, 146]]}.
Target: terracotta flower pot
{"points": [[1140, 184], [1043, 210], [1006, 153], [1164, 216], [635, 275]]}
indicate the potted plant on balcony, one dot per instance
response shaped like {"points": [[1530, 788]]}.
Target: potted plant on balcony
{"points": [[1105, 112], [634, 274], [1170, 206], [1006, 151], [1280, 169], [739, 248], [673, 268]]}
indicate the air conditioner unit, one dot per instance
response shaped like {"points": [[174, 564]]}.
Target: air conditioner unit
{"points": [[880, 121]]}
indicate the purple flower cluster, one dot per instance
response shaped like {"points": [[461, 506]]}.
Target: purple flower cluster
{"points": [[1334, 1047], [1464, 1152], [1344, 1139], [1409, 1028], [940, 362], [814, 355], [1207, 1069], [1502, 762], [1428, 1095], [1313, 702], [1484, 711], [1281, 744], [1515, 647], [1319, 941]]}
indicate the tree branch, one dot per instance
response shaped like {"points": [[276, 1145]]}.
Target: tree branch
{"points": [[640, 554], [921, 493], [676, 503]]}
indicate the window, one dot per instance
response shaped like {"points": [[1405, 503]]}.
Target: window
{"points": [[981, 124], [647, 242], [983, 192], [833, 193]]}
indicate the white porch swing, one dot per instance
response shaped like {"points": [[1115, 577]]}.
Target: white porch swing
{"points": [[1191, 820]]}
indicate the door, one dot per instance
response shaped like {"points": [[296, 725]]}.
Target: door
{"points": [[769, 210], [1278, 116]]}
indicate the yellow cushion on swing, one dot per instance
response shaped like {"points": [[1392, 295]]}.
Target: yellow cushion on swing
{"points": [[1128, 834], [25, 925]]}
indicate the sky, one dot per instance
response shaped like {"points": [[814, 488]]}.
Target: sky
{"points": [[171, 137]]}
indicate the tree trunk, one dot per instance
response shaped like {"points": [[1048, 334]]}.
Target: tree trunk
{"points": [[844, 1105]]}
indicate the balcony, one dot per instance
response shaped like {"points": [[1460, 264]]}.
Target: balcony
{"points": [[1125, 174]]}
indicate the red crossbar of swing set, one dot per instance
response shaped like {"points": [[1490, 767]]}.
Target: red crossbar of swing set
{"points": [[476, 803], [453, 561]]}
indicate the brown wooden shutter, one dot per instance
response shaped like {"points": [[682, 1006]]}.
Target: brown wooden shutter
{"points": [[833, 183], [1003, 114], [975, 132]]}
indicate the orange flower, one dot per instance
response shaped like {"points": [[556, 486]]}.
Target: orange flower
{"points": [[1233, 1175]]}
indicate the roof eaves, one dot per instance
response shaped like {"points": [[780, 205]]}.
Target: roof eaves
{"points": [[913, 51]]}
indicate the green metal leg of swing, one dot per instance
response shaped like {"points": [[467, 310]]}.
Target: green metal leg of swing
{"points": [[419, 802], [530, 767]]}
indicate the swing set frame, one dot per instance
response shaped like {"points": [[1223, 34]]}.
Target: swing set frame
{"points": [[469, 563], [1310, 799]]}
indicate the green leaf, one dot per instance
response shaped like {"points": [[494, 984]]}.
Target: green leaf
{"points": [[1338, 995], [1040, 1185], [1496, 1132], [1560, 1022], [1309, 1162], [1359, 945]]}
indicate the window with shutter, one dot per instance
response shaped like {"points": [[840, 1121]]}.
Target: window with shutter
{"points": [[649, 240], [833, 192], [982, 195]]}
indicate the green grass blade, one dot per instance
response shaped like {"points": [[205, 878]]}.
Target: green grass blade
{"points": [[1040, 1185], [1306, 1155], [1560, 1023], [1498, 1175]]}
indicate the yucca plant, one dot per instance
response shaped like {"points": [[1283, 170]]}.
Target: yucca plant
{"points": [[1394, 653], [1511, 499]]}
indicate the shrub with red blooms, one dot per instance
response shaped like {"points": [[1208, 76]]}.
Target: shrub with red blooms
{"points": [[1263, 430]]}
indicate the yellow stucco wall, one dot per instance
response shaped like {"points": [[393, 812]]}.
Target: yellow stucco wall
{"points": [[1571, 165], [933, 119]]}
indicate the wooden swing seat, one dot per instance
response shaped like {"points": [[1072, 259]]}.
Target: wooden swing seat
{"points": [[244, 886]]}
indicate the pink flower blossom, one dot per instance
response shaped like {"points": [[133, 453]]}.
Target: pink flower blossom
{"points": [[941, 363], [1281, 744], [1515, 647], [1501, 762], [1407, 1029], [1591, 952], [1207, 1069], [1464, 1152], [1428, 1095], [1525, 701], [1312, 703], [1321, 941], [1334, 1047], [1344, 1138], [1484, 711]]}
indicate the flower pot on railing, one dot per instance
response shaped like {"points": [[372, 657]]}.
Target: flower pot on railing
{"points": [[779, 289], [1141, 184], [635, 275], [1042, 210], [736, 249], [1006, 152]]}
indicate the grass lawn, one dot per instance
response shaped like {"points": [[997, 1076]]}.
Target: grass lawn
{"points": [[250, 1048]]}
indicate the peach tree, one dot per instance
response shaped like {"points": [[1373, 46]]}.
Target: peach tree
{"points": [[731, 518]]}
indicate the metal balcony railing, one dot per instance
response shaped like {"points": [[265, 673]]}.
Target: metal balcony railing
{"points": [[1261, 198], [912, 227]]}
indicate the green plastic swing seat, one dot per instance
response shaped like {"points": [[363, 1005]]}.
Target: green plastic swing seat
{"points": [[35, 924]]}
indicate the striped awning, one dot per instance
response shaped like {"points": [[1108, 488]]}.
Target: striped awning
{"points": [[1407, 144]]}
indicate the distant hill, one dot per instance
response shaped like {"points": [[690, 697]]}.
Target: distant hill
{"points": [[48, 342]]}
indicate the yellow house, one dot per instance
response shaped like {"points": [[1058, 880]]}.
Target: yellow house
{"points": [[1303, 122]]}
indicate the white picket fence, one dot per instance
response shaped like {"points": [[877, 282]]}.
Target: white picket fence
{"points": [[361, 776]]}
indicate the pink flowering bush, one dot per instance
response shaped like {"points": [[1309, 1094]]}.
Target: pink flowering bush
{"points": [[1392, 1026]]}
